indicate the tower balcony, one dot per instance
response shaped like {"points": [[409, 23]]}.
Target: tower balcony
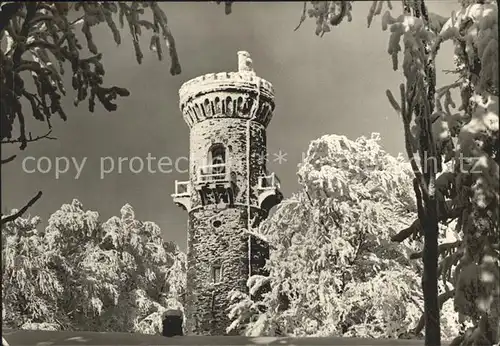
{"points": [[213, 176], [215, 184], [182, 194], [269, 194]]}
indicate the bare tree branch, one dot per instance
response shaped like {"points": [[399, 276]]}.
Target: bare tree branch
{"points": [[442, 249], [442, 299], [14, 216], [30, 139], [9, 159], [413, 229], [302, 17]]}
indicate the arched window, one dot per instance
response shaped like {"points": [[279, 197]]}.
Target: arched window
{"points": [[217, 156]]}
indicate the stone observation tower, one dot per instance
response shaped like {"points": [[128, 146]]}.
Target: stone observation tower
{"points": [[229, 190]]}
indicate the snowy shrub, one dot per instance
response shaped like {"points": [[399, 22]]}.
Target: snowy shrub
{"points": [[80, 274]]}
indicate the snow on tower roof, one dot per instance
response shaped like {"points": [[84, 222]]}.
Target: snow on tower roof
{"points": [[245, 79]]}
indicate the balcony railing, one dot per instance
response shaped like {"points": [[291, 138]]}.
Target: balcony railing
{"points": [[268, 182], [181, 189], [217, 173]]}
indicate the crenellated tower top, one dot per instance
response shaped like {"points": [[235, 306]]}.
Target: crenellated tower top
{"points": [[239, 94]]}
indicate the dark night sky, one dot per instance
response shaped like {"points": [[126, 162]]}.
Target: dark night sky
{"points": [[330, 85]]}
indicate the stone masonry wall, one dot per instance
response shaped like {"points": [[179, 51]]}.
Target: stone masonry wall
{"points": [[227, 246]]}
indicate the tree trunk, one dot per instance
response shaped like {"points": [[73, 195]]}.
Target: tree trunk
{"points": [[430, 276]]}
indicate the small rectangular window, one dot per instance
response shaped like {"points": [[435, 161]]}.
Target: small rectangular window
{"points": [[216, 274]]}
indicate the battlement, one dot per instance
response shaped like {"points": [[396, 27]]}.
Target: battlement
{"points": [[249, 80], [239, 94]]}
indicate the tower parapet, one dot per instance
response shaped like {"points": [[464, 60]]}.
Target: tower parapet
{"points": [[239, 94]]}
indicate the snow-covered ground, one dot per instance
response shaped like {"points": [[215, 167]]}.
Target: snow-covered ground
{"points": [[51, 338]]}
